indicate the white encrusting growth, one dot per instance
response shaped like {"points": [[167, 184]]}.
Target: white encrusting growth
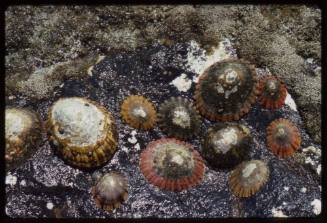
{"points": [[227, 140], [316, 203], [80, 121], [50, 205], [248, 170], [181, 118], [303, 189], [11, 180], [276, 212], [290, 102], [178, 159], [16, 122], [132, 139], [197, 63], [139, 112], [182, 83]]}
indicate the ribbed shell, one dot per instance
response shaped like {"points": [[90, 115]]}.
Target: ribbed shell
{"points": [[138, 112], [26, 141], [226, 145], [177, 117], [90, 155], [226, 90], [110, 191], [283, 137], [171, 164], [248, 178], [272, 92]]}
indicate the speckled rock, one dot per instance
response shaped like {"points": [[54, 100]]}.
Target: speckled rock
{"points": [[50, 188]]}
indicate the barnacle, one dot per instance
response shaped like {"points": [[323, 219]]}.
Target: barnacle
{"points": [[171, 164], [226, 90], [273, 92], [110, 191], [23, 133], [248, 178], [283, 137], [83, 132], [138, 112], [178, 118], [226, 145]]}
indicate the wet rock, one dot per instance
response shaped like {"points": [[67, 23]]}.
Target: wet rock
{"points": [[51, 188]]}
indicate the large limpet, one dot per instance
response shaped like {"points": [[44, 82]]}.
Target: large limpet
{"points": [[23, 133], [226, 144], [110, 191], [138, 112], [283, 137], [273, 92], [226, 90], [178, 118], [171, 164], [83, 132], [248, 178]]}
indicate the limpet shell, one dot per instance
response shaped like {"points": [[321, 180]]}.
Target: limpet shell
{"points": [[177, 117], [138, 112], [171, 164], [110, 191], [83, 132], [273, 92], [283, 137], [226, 144], [226, 90], [23, 133], [248, 178]]}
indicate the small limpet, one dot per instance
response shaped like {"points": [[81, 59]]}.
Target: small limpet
{"points": [[226, 90], [23, 133], [177, 117], [138, 112], [110, 191], [273, 92], [83, 132], [283, 137], [248, 178], [171, 164], [226, 144]]}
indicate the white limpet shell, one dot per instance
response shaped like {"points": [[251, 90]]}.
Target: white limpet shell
{"points": [[23, 133], [83, 131]]}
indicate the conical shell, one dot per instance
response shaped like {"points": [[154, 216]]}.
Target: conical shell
{"points": [[226, 90], [177, 117]]}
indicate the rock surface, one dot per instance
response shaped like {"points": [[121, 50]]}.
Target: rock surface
{"points": [[164, 49], [51, 188]]}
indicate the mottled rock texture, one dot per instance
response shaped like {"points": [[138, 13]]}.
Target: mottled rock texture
{"points": [[48, 50]]}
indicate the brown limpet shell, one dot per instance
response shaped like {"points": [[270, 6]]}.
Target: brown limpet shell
{"points": [[172, 164], [283, 137], [110, 191], [226, 144], [177, 117], [273, 92], [23, 134], [226, 90], [138, 112], [82, 131], [248, 178]]}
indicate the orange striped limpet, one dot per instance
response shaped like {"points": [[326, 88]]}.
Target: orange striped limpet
{"points": [[273, 92], [138, 112], [172, 164], [283, 137]]}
